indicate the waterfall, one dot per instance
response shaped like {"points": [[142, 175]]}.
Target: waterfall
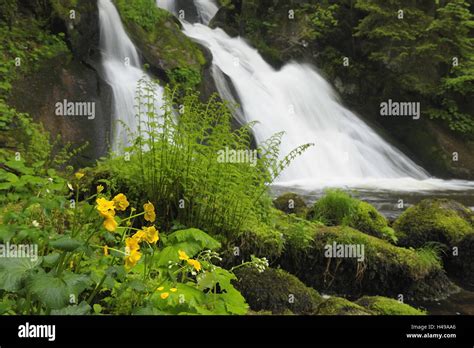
{"points": [[296, 99], [206, 10], [122, 69]]}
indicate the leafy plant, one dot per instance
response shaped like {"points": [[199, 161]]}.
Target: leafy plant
{"points": [[177, 162]]}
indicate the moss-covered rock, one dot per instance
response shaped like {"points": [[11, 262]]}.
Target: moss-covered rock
{"points": [[341, 306], [434, 220], [385, 269], [334, 208], [255, 239], [337, 207], [277, 291], [367, 219], [157, 34], [290, 203], [388, 306]]}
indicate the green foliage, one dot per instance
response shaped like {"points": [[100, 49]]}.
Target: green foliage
{"points": [[180, 165], [186, 78], [70, 271], [334, 208], [26, 43], [143, 12], [419, 49]]}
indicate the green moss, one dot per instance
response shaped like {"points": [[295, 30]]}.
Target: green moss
{"points": [[438, 220], [341, 306], [185, 77], [277, 291], [290, 203], [386, 269], [143, 12], [334, 208], [388, 306], [158, 36], [367, 219], [256, 239]]}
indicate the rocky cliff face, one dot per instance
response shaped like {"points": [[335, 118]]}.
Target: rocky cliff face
{"points": [[74, 77]]}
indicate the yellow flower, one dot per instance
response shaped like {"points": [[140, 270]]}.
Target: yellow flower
{"points": [[173, 289], [106, 250], [121, 202], [183, 255], [100, 188], [161, 288], [164, 295], [149, 212], [151, 234], [195, 263], [139, 236], [79, 175], [131, 244], [106, 208], [132, 259], [110, 224]]}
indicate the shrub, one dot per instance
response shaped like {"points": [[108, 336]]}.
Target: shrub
{"points": [[187, 78], [334, 208], [181, 166]]}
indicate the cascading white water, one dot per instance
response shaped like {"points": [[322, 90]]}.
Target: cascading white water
{"points": [[297, 100], [122, 70], [206, 10]]}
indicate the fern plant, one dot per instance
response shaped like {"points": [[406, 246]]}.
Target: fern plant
{"points": [[174, 160]]}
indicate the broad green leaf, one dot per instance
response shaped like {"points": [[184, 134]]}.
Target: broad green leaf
{"points": [[13, 271], [194, 235], [49, 290], [65, 243]]}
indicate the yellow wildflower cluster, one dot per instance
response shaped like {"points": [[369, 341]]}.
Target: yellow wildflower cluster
{"points": [[132, 252], [107, 209], [149, 212], [195, 263]]}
